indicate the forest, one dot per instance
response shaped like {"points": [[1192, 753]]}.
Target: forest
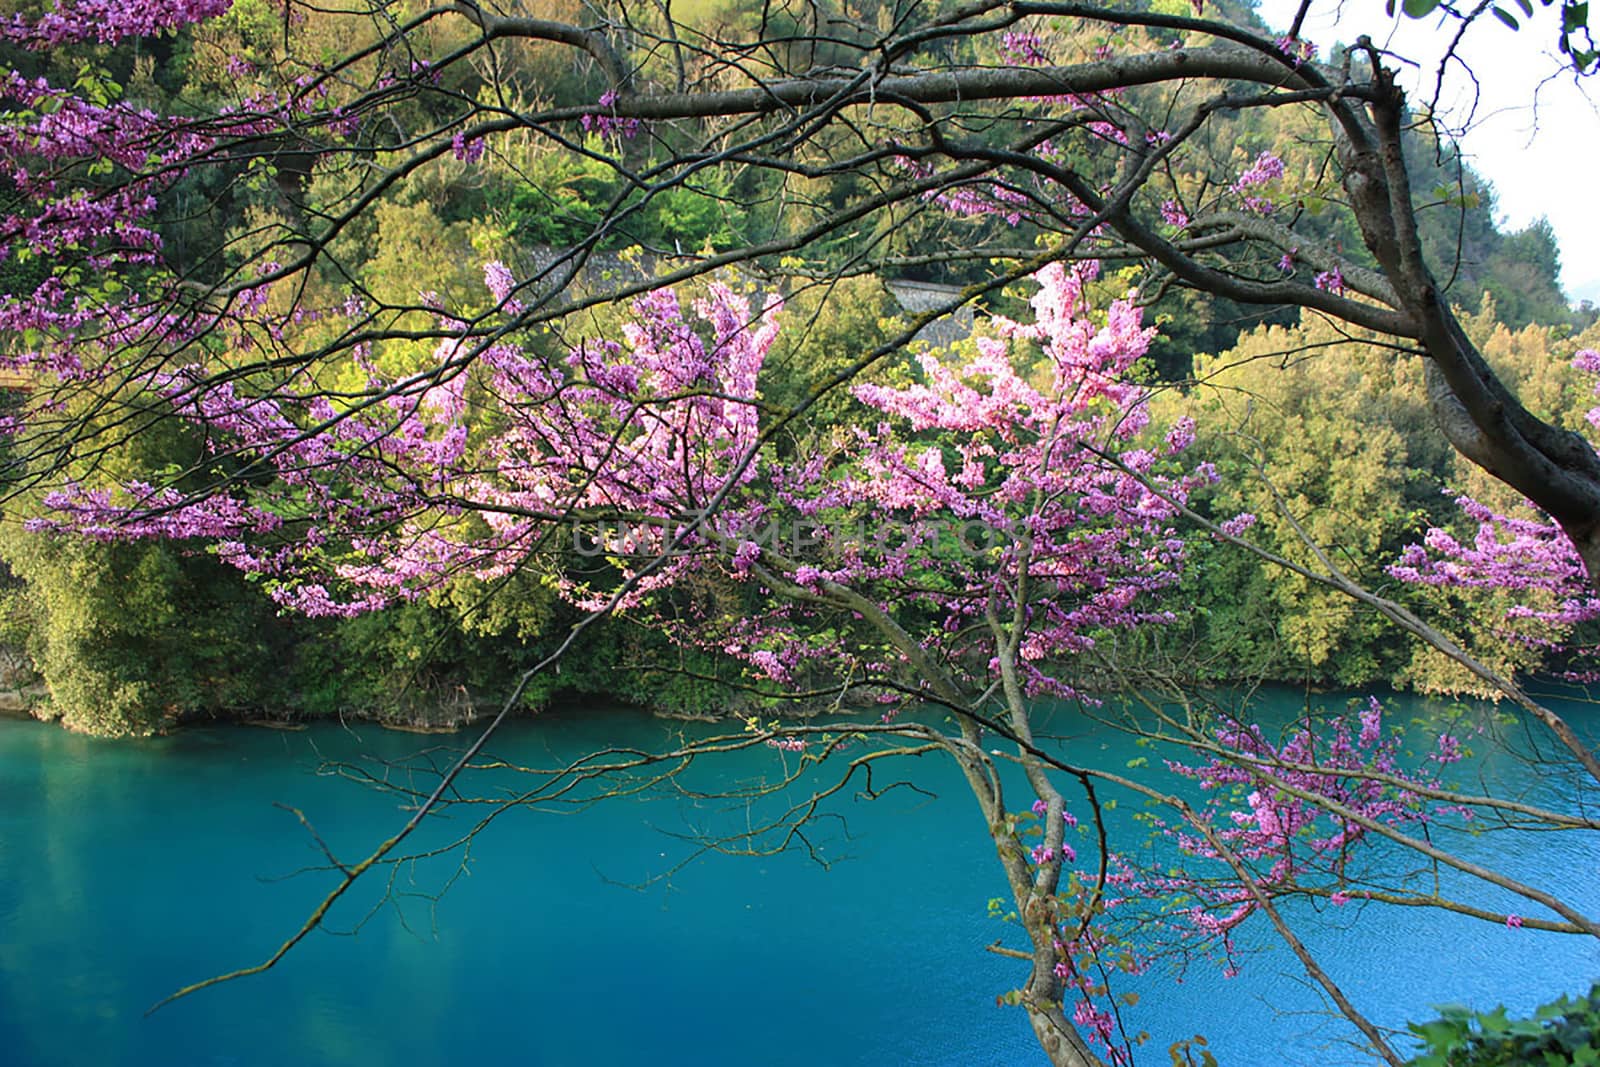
{"points": [[808, 367]]}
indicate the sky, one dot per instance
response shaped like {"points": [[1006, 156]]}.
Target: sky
{"points": [[1534, 134]]}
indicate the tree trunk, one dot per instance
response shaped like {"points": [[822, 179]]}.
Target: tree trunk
{"points": [[1556, 469], [1059, 1038], [1043, 991]]}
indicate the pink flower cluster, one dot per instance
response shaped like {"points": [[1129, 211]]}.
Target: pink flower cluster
{"points": [[391, 497], [1527, 555], [107, 21], [1091, 535], [464, 149], [1266, 168], [1297, 49], [607, 123], [1025, 48], [1307, 804]]}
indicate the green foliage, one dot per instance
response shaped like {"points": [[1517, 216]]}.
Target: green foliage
{"points": [[831, 325], [1564, 1033], [132, 638], [1521, 276], [1311, 428], [1191, 1053], [560, 198], [1310, 433], [692, 218]]}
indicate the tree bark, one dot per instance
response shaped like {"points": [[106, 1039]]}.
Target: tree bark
{"points": [[1556, 469]]}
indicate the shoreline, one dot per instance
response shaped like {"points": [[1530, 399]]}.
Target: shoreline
{"points": [[24, 705]]}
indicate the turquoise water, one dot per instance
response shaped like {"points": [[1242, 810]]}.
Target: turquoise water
{"points": [[128, 869]]}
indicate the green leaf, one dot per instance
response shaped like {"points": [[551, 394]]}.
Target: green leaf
{"points": [[1495, 1022], [1439, 1034], [1507, 17], [1419, 8]]}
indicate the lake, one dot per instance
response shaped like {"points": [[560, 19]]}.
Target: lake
{"points": [[575, 934]]}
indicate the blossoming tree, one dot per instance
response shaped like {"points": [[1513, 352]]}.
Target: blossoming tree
{"points": [[997, 519], [964, 542], [1092, 141], [980, 572]]}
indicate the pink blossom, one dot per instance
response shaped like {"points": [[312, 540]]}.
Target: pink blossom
{"points": [[1285, 828], [1236, 526], [1181, 436], [465, 150], [502, 283], [605, 122], [1266, 816], [1371, 722], [662, 417], [745, 557], [1266, 168], [1025, 48], [108, 21], [1298, 50]]}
